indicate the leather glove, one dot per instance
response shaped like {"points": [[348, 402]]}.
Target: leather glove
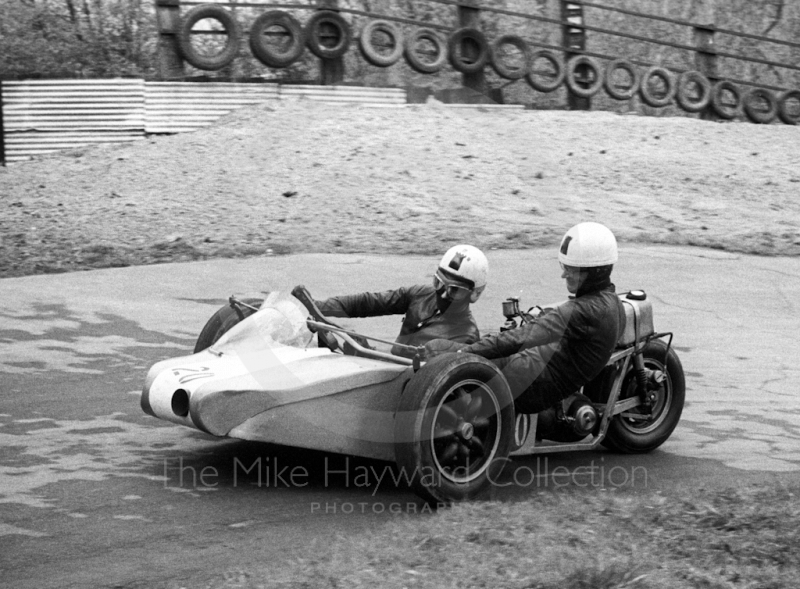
{"points": [[437, 347]]}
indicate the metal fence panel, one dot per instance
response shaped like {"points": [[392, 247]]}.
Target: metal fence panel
{"points": [[42, 116], [174, 107]]}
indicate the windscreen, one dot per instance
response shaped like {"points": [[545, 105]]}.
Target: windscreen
{"points": [[280, 321]]}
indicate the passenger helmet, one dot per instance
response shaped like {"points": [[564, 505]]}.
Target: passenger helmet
{"points": [[588, 245], [467, 265]]}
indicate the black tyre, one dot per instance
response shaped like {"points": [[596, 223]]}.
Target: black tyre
{"points": [[726, 108], [622, 92], [693, 99], [584, 88], [222, 321], [789, 107], [632, 434], [454, 427], [375, 53], [468, 50], [649, 94], [421, 59], [215, 60], [328, 35], [544, 80], [272, 54], [760, 106], [507, 70]]}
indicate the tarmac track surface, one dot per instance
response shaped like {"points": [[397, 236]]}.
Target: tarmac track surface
{"points": [[95, 493]]}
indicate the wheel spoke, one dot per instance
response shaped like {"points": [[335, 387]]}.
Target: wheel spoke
{"points": [[463, 454], [481, 423], [448, 416], [449, 453], [474, 408], [461, 403], [476, 446], [442, 433]]}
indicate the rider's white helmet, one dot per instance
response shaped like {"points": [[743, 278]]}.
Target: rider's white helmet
{"points": [[588, 245], [468, 265]]}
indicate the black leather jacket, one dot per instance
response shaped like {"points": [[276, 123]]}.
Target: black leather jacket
{"points": [[422, 322], [580, 334]]}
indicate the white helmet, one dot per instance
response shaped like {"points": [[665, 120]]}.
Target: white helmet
{"points": [[588, 245], [466, 264]]}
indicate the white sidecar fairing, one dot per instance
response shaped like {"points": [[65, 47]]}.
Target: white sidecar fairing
{"points": [[266, 380]]}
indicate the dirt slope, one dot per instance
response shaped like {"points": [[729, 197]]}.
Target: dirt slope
{"points": [[300, 176]]}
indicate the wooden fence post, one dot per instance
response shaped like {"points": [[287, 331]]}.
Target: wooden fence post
{"points": [[574, 41], [469, 16], [331, 71], [169, 60], [706, 61]]}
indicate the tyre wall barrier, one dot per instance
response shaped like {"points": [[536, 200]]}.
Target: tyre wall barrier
{"points": [[328, 28]]}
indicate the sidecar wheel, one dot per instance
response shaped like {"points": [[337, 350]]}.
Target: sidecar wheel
{"points": [[454, 428], [222, 321], [633, 435]]}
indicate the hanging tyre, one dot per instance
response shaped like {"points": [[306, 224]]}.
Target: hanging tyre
{"points": [[592, 78], [545, 80], [327, 34], [222, 321], [212, 60], [263, 33], [507, 70], [375, 53], [425, 51], [626, 91], [760, 105], [643, 429], [468, 50], [655, 97], [454, 427], [726, 99], [693, 92], [789, 107]]}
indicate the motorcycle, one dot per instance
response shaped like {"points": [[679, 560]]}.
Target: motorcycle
{"points": [[279, 371], [632, 406]]}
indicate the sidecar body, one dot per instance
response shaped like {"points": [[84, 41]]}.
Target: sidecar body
{"points": [[266, 379]]}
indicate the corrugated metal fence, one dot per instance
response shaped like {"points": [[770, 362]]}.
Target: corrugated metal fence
{"points": [[42, 116]]}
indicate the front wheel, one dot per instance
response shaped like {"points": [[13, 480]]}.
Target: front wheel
{"points": [[454, 427], [643, 429], [222, 321]]}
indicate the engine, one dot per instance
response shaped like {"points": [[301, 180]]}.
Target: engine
{"points": [[572, 424]]}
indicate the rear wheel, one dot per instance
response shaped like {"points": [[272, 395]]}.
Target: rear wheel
{"points": [[454, 427], [645, 428], [222, 321]]}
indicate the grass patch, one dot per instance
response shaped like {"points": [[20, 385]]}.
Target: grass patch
{"points": [[744, 538]]}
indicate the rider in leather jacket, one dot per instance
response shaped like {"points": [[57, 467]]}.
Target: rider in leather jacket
{"points": [[437, 311], [565, 347]]}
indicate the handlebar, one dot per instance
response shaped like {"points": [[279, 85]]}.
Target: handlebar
{"points": [[320, 322]]}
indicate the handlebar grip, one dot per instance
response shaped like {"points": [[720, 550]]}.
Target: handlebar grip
{"points": [[300, 292]]}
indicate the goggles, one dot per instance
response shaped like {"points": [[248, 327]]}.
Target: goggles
{"points": [[453, 290], [569, 269]]}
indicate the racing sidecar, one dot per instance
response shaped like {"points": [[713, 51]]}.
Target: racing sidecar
{"points": [[266, 371]]}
